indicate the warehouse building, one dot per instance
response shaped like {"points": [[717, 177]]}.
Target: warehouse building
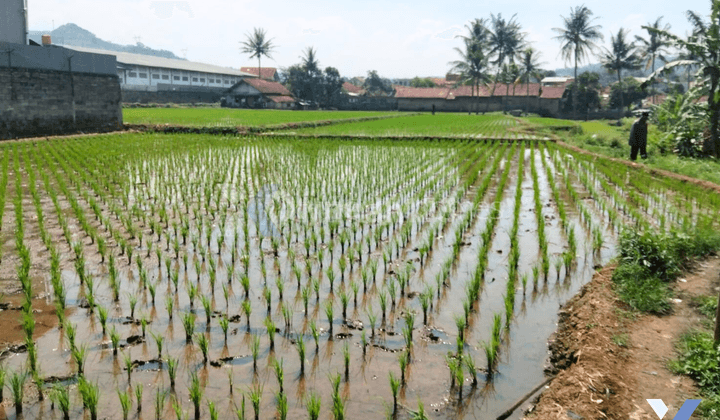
{"points": [[146, 78]]}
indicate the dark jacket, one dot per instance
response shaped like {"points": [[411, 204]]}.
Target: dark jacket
{"points": [[638, 133]]}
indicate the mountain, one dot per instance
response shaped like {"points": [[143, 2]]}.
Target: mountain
{"points": [[71, 34]]}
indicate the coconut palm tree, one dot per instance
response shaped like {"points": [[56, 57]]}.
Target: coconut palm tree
{"points": [[506, 41], [621, 56], [310, 61], [530, 69], [578, 36], [474, 60], [655, 46], [703, 47], [257, 45]]}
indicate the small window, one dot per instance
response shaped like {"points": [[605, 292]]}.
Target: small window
{"points": [[211, 80], [143, 75], [155, 76], [227, 82], [185, 78], [133, 74], [195, 79], [202, 80], [165, 77], [176, 77]]}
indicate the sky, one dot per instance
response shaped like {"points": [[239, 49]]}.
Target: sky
{"points": [[397, 39]]}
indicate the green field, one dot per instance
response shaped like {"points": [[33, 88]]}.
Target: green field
{"points": [[224, 117], [486, 126]]}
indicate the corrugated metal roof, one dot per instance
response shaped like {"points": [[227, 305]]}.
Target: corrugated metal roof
{"points": [[268, 73], [161, 62], [424, 93], [281, 98]]}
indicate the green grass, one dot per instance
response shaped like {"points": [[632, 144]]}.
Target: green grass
{"points": [[700, 359], [490, 125], [224, 117]]}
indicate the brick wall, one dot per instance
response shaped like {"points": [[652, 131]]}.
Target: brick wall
{"points": [[46, 102]]}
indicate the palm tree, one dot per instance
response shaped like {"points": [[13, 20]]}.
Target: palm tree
{"points": [[473, 63], [506, 41], [257, 45], [654, 46], [703, 47], [530, 69], [310, 62], [621, 57], [578, 38]]}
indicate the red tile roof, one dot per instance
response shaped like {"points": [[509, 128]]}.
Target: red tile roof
{"points": [[421, 93], [268, 73], [281, 99], [351, 88], [267, 87], [552, 92]]}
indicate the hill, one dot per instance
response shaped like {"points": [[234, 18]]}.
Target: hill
{"points": [[71, 34]]}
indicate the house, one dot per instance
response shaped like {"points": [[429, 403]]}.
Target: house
{"points": [[267, 73], [258, 93], [556, 81]]}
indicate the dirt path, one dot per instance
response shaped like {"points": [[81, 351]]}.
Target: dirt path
{"points": [[611, 360]]}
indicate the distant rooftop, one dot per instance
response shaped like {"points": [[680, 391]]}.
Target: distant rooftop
{"points": [[151, 61], [268, 73]]}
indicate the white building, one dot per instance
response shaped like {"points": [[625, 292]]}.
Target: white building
{"points": [[150, 73]]}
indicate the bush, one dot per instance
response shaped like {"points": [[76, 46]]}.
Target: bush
{"points": [[649, 261], [699, 359]]}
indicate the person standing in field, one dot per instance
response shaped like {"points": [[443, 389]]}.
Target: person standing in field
{"points": [[638, 137]]}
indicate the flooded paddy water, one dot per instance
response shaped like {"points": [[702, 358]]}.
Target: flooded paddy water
{"points": [[216, 260]]}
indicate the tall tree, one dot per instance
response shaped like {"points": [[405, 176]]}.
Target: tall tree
{"points": [[621, 56], [310, 61], [257, 45], [704, 48], [474, 60], [506, 40], [578, 36], [530, 69], [654, 46]]}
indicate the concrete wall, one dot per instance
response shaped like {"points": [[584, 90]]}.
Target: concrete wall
{"points": [[13, 22], [35, 102], [548, 107], [170, 96]]}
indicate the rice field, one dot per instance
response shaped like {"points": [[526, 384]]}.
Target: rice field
{"points": [[491, 126], [225, 117], [193, 276]]}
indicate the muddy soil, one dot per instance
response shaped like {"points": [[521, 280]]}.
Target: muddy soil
{"points": [[610, 360]]}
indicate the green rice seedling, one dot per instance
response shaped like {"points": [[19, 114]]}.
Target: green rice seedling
{"points": [[363, 341], [28, 324], [315, 334], [338, 407], [70, 333], [17, 383], [255, 399], [91, 396], [460, 324], [152, 287], [79, 354], [509, 310], [279, 373], [346, 359], [203, 344], [172, 365], [169, 304], [425, 299], [313, 404], [188, 321], [331, 277], [355, 289], [240, 412], [61, 397], [287, 314], [125, 402], [558, 266], [143, 325], [536, 273], [128, 364], [139, 396], [330, 315], [192, 294], [271, 329], [3, 374], [115, 340], [160, 403], [132, 299], [394, 387], [344, 300], [524, 280], [404, 361], [159, 339], [255, 347], [195, 391], [383, 303], [300, 345], [247, 309], [471, 368], [305, 293], [206, 307], [224, 325], [372, 319], [103, 315]]}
